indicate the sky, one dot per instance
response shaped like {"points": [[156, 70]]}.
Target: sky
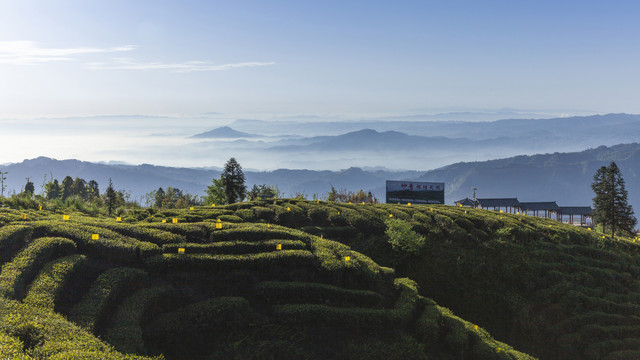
{"points": [[258, 58], [65, 58]]}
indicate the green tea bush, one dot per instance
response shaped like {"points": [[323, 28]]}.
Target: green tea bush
{"points": [[274, 292], [402, 238], [245, 214], [189, 331], [319, 215], [12, 238], [294, 217], [126, 332], [236, 247], [211, 262], [230, 218], [46, 287], [97, 304], [264, 213], [50, 335], [25, 265], [111, 245]]}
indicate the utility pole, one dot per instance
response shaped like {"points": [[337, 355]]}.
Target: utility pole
{"points": [[2, 179], [474, 196]]}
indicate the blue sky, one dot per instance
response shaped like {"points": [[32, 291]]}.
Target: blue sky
{"points": [[66, 58]]}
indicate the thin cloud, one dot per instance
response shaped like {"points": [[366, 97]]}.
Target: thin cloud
{"points": [[183, 67], [30, 53]]}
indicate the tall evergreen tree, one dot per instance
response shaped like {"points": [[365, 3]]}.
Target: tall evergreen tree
{"points": [[159, 198], [92, 190], [110, 198], [29, 188], [52, 189], [233, 181], [79, 188], [66, 187], [610, 203]]}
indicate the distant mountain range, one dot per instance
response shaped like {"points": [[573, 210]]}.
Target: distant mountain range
{"points": [[562, 177], [223, 132]]}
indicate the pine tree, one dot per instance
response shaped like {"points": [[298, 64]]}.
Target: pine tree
{"points": [[233, 181], [29, 188], [110, 198], [66, 187], [610, 203], [159, 198], [52, 189]]}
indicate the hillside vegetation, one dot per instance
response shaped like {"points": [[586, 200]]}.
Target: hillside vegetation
{"points": [[253, 280]]}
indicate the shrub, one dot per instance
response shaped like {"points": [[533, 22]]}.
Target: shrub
{"points": [[46, 288], [236, 247], [12, 238], [18, 273], [187, 332], [96, 305], [126, 332], [402, 238], [274, 292]]}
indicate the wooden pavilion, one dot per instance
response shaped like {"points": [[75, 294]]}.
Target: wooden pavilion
{"points": [[510, 205], [585, 213], [534, 208]]}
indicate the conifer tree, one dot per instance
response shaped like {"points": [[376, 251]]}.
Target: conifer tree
{"points": [[610, 203], [66, 187], [110, 198], [233, 181], [29, 188]]}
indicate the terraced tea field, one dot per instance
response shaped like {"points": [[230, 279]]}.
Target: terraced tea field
{"points": [[243, 281]]}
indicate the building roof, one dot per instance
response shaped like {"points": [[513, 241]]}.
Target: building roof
{"points": [[467, 202], [575, 210], [498, 202], [539, 205]]}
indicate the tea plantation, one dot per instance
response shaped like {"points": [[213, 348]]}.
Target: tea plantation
{"points": [[287, 279]]}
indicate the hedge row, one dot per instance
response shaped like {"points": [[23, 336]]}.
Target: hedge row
{"points": [[437, 327], [44, 334], [151, 235], [355, 318], [25, 265], [46, 287], [96, 305], [236, 247], [277, 293], [110, 246], [126, 332], [189, 331], [12, 238], [212, 262]]}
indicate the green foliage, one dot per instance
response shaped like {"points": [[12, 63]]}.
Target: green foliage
{"points": [[402, 238], [610, 203], [215, 192], [47, 287], [263, 191], [96, 306], [276, 293], [185, 332], [16, 274], [12, 238], [126, 332], [233, 182], [236, 247]]}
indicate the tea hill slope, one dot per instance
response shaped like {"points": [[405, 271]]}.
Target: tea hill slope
{"points": [[255, 284], [553, 290]]}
